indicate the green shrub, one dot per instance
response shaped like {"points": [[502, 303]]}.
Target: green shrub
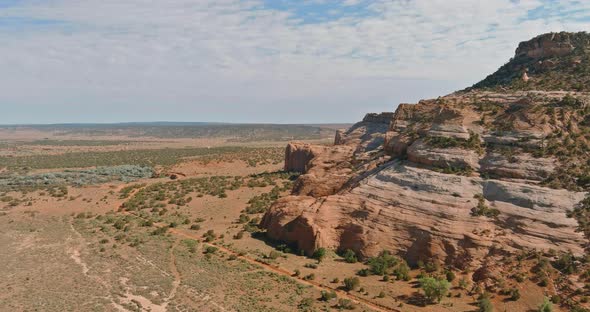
{"points": [[239, 235], [305, 305], [514, 294], [482, 209], [363, 272], [450, 275], [383, 263], [210, 250], [351, 283], [484, 303], [345, 304], [350, 256], [546, 306], [320, 254], [434, 288], [273, 255], [328, 295], [566, 263], [160, 230], [309, 277]]}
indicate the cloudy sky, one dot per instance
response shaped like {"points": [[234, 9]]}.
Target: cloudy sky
{"points": [[284, 61]]}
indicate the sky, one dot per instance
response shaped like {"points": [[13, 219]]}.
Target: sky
{"points": [[271, 61]]}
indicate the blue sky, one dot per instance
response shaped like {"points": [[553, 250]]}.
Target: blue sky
{"points": [[287, 61]]}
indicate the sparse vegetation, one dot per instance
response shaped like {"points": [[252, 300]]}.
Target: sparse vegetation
{"points": [[482, 209]]}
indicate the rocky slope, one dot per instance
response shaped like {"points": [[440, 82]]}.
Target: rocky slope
{"points": [[457, 180], [554, 61]]}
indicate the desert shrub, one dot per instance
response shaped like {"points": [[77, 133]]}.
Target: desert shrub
{"points": [[402, 271], [450, 275], [320, 254], [273, 255], [431, 266], [350, 256], [239, 235], [209, 236], [210, 250], [544, 282], [463, 283], [195, 227], [191, 244], [351, 283], [147, 223], [160, 231], [363, 272], [566, 263], [243, 218], [383, 263], [309, 277], [345, 304], [328, 295], [514, 294], [546, 306], [261, 203], [484, 303], [472, 143], [482, 209], [569, 101], [306, 304], [434, 288]]}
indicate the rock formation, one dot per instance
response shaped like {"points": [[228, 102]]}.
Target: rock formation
{"points": [[455, 179], [548, 45]]}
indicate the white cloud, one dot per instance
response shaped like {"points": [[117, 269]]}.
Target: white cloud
{"points": [[240, 61]]}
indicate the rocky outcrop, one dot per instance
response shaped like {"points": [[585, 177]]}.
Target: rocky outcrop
{"points": [[421, 201], [548, 45], [326, 173], [298, 156], [367, 135], [520, 166], [327, 169], [421, 153]]}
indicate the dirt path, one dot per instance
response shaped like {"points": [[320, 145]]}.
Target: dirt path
{"points": [[175, 273]]}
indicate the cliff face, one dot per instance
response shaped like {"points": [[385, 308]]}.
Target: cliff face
{"points": [[548, 45]]}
